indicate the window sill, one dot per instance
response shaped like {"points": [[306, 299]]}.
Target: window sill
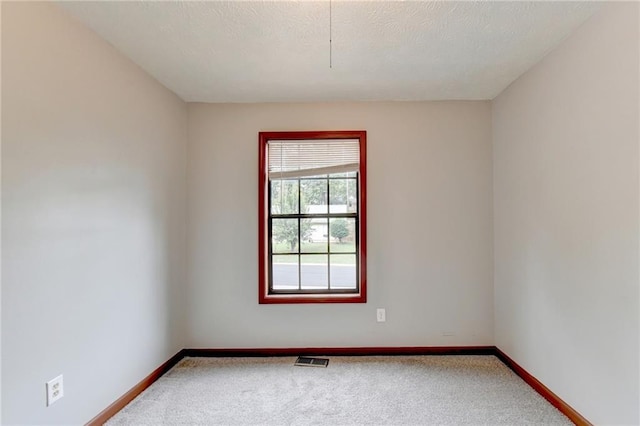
{"points": [[311, 298]]}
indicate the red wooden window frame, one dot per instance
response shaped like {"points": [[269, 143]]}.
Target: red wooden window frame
{"points": [[263, 281]]}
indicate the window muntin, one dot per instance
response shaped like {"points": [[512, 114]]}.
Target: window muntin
{"points": [[312, 217]]}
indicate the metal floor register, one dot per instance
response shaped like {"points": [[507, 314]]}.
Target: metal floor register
{"points": [[305, 361]]}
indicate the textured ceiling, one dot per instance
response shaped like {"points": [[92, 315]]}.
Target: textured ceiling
{"points": [[256, 51]]}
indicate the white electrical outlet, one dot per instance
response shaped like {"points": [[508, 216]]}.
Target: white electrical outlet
{"points": [[381, 315], [55, 390]]}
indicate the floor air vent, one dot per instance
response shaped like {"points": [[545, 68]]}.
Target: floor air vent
{"points": [[305, 361]]}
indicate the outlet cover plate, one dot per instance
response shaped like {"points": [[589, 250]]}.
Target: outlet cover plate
{"points": [[55, 390]]}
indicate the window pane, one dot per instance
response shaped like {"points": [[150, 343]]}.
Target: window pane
{"points": [[284, 235], [342, 232], [343, 271], [343, 196], [314, 272], [338, 196], [285, 272], [352, 195], [317, 239], [313, 198], [284, 196]]}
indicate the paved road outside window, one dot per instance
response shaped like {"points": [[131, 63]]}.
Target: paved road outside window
{"points": [[313, 276]]}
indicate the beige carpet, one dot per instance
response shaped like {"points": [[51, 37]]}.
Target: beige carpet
{"points": [[398, 390]]}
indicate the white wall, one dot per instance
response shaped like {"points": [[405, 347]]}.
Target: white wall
{"points": [[566, 218], [93, 224], [0, 221], [430, 261]]}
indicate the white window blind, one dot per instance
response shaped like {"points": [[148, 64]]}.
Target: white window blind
{"points": [[292, 159]]}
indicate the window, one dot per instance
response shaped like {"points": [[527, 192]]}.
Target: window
{"points": [[312, 217]]}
